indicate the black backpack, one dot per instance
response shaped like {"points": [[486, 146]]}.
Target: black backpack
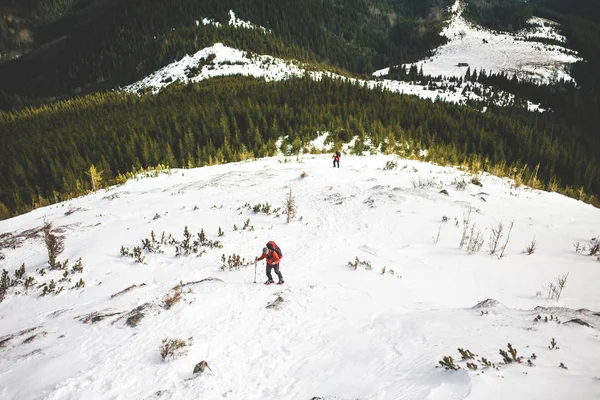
{"points": [[273, 246], [337, 153]]}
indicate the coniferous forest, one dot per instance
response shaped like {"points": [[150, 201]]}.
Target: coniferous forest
{"points": [[59, 113]]}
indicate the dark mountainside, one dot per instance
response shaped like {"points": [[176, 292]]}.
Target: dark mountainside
{"points": [[60, 61]]}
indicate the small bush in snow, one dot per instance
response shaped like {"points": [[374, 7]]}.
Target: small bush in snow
{"points": [[50, 288], [29, 282], [357, 263], [20, 273], [510, 356], [220, 232], [54, 245], [466, 354], [390, 165], [472, 366], [78, 267], [233, 262], [460, 184], [448, 363], [594, 247], [172, 348], [563, 366], [264, 208], [172, 299], [303, 174], [420, 182], [555, 288], [476, 181], [485, 362], [553, 345], [579, 248], [137, 254], [476, 240], [4, 284], [531, 247]]}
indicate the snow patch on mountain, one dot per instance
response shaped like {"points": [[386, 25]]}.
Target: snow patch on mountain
{"points": [[512, 53], [234, 21], [220, 60]]}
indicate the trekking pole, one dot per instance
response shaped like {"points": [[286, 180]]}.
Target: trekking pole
{"points": [[254, 271]]}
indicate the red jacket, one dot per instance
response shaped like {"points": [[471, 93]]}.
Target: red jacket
{"points": [[271, 256]]}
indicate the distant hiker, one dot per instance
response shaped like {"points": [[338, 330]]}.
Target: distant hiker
{"points": [[272, 253], [336, 159]]}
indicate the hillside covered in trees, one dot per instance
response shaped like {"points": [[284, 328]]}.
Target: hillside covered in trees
{"points": [[59, 115], [231, 119], [99, 45]]}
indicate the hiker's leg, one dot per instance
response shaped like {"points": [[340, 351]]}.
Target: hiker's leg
{"points": [[269, 272], [278, 273]]}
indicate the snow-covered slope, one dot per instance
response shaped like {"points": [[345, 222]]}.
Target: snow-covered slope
{"points": [[499, 51], [339, 332]]}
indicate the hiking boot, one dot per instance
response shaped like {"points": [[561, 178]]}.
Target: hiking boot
{"points": [[280, 282], [269, 282]]}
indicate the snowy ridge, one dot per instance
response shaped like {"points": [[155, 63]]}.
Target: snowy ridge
{"points": [[498, 51], [338, 332], [220, 60]]}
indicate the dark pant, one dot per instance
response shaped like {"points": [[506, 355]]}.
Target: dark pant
{"points": [[336, 161], [276, 268]]}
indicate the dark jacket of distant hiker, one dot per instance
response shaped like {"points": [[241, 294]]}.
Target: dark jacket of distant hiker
{"points": [[272, 263]]}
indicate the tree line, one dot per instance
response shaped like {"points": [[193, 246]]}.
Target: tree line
{"points": [[47, 151]]}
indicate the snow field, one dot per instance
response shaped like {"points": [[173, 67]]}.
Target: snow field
{"points": [[340, 333]]}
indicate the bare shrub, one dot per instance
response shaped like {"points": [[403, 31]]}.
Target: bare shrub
{"points": [[303, 174], [555, 288], [531, 247], [466, 222], [174, 298], [290, 206], [512, 223], [421, 182], [436, 238], [172, 348], [594, 247], [553, 345], [476, 240], [497, 233]]}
